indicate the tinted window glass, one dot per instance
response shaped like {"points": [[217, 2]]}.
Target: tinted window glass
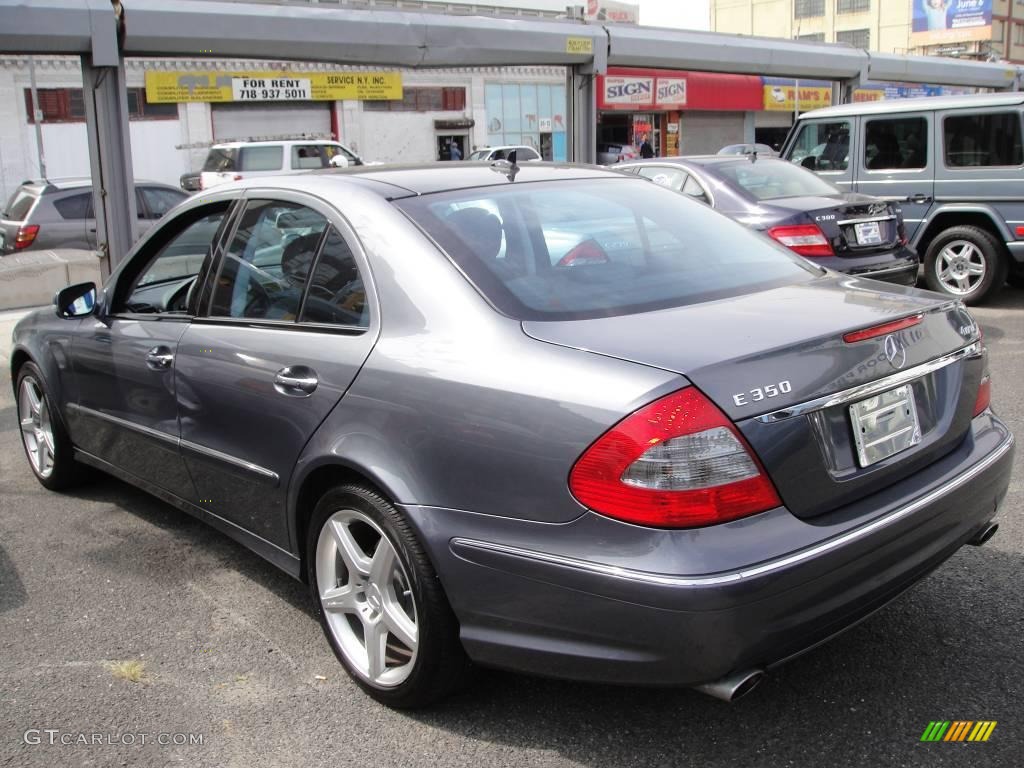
{"points": [[159, 201], [568, 250], [666, 177], [974, 141], [330, 150], [265, 268], [308, 156], [692, 188], [822, 146], [221, 160], [898, 143], [768, 180], [336, 293], [75, 206], [262, 158], [19, 205]]}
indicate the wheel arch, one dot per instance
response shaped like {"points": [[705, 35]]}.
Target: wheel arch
{"points": [[980, 216], [19, 357]]}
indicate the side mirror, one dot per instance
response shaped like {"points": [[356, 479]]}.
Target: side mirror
{"points": [[339, 161], [76, 300], [810, 162]]}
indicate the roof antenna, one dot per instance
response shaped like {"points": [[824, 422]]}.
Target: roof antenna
{"points": [[753, 154], [507, 167]]}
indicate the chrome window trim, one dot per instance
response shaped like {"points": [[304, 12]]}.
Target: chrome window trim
{"points": [[732, 577], [867, 390]]}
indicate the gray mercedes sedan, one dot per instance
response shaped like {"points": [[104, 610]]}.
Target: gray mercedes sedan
{"points": [[548, 418]]}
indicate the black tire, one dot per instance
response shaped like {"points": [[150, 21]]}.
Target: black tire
{"points": [[66, 472], [440, 664], [1016, 280], [992, 256]]}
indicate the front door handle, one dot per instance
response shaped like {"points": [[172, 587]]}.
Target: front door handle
{"points": [[919, 198], [159, 358], [296, 381]]}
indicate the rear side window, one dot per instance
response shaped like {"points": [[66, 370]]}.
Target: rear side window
{"points": [[598, 248], [666, 177], [899, 143], [308, 156], [221, 160], [264, 271], [261, 158], [159, 201], [336, 292], [773, 179], [75, 206], [977, 141], [19, 205], [822, 146]]}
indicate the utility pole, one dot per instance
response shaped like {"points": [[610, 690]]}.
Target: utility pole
{"points": [[37, 115]]}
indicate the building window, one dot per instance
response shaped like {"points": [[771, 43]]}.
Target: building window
{"points": [[806, 9], [1018, 34], [858, 38], [67, 105], [817, 37], [852, 6], [420, 99]]}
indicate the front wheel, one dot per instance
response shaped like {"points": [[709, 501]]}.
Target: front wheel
{"points": [[379, 601], [966, 262], [47, 446]]}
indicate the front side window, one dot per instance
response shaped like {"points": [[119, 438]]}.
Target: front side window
{"points": [[267, 158], [330, 150], [978, 141], [822, 146], [265, 268], [162, 282], [305, 156], [897, 143], [580, 249]]}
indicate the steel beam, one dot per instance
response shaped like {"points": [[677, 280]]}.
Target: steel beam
{"points": [[941, 71]]}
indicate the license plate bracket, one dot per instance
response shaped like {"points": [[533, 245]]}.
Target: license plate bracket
{"points": [[885, 424]]}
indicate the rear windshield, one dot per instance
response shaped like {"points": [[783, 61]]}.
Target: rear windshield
{"points": [[221, 160], [18, 206], [582, 249], [770, 180]]}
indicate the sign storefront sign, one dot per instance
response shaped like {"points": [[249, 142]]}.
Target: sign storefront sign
{"points": [[637, 92], [197, 86], [934, 22], [782, 98]]}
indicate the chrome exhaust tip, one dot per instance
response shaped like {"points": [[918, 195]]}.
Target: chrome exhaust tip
{"points": [[984, 535], [732, 687]]}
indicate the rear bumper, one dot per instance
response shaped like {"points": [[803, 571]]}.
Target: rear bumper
{"points": [[599, 600], [899, 266]]}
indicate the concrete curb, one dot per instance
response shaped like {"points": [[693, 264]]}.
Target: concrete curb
{"points": [[31, 279]]}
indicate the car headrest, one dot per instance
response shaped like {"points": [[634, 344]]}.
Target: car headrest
{"points": [[479, 229]]}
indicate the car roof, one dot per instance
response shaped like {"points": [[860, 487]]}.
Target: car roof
{"points": [[922, 103], [49, 186], [246, 143], [504, 146], [703, 160], [395, 181]]}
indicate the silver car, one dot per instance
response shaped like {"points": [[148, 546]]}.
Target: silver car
{"points": [[547, 418], [58, 213]]}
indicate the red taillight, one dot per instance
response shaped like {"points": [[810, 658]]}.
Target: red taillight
{"points": [[984, 398], [676, 463], [237, 177], [26, 236], [881, 330], [805, 239]]}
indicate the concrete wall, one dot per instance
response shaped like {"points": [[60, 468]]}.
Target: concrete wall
{"points": [[32, 278]]}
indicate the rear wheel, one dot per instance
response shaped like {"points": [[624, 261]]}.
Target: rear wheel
{"points": [[379, 601], [47, 446], [966, 262]]}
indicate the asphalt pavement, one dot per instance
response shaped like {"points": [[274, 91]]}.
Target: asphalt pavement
{"points": [[236, 671]]}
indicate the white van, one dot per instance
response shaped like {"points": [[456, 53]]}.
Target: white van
{"points": [[234, 160]]}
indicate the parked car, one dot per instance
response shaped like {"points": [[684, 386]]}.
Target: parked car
{"points": [[58, 213], [677, 465], [953, 163], [762, 150], [500, 153], [190, 181], [610, 154], [236, 160], [844, 231]]}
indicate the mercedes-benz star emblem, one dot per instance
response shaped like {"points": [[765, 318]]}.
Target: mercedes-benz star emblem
{"points": [[895, 352]]}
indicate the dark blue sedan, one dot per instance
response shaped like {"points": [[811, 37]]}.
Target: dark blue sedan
{"points": [[848, 232]]}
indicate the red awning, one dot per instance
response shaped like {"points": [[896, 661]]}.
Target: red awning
{"points": [[658, 90]]}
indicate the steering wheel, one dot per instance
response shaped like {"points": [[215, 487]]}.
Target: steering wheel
{"points": [[182, 296], [259, 304]]}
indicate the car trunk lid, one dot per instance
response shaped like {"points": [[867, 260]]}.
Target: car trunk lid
{"points": [[766, 352], [855, 225]]}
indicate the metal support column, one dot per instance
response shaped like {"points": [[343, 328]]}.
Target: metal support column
{"points": [[110, 156], [581, 94]]}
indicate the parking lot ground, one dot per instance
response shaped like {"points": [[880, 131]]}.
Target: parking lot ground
{"points": [[233, 656]]}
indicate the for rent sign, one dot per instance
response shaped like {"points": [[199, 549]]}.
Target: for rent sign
{"points": [[191, 86]]}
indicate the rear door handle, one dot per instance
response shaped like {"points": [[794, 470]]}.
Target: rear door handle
{"points": [[159, 358], [296, 381], [918, 198]]}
